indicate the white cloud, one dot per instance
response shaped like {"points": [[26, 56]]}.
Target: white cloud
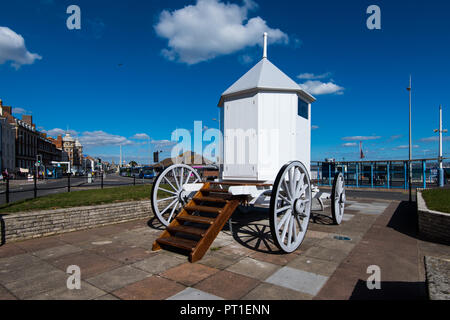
{"points": [[316, 87], [312, 76], [211, 28], [57, 131], [350, 144], [101, 138], [313, 127], [12, 48], [20, 111], [407, 146], [361, 138], [434, 139], [140, 136]]}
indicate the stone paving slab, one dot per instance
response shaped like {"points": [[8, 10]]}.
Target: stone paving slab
{"points": [[117, 262], [151, 288], [267, 291], [298, 280], [194, 294], [253, 268], [117, 278], [87, 292]]}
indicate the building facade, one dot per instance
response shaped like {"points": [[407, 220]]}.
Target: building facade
{"points": [[7, 146], [74, 151]]}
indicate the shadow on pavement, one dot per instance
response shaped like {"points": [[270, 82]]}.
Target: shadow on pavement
{"points": [[390, 290], [404, 219]]}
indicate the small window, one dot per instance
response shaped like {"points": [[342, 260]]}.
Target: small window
{"points": [[303, 109]]}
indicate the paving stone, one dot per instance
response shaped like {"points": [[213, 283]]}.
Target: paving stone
{"points": [[217, 261], [5, 294], [340, 245], [189, 273], [56, 252], [159, 263], [326, 254], [228, 285], [39, 244], [267, 291], [80, 236], [86, 292], [117, 278], [152, 288], [37, 284], [108, 230], [90, 264], [280, 259], [107, 297], [25, 272], [235, 250], [317, 234], [10, 250], [105, 248], [348, 217], [298, 280], [132, 255], [194, 294], [313, 265], [253, 268], [16, 262]]}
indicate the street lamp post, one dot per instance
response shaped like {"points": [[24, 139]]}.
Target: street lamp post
{"points": [[440, 130], [410, 143]]}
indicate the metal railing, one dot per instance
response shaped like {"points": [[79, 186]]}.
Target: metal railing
{"points": [[388, 174], [13, 190]]}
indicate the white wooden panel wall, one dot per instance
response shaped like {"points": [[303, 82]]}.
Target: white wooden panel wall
{"points": [[240, 145]]}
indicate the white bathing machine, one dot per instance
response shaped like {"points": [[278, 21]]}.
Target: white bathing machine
{"points": [[266, 155]]}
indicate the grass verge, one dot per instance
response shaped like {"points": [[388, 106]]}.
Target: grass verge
{"points": [[80, 199], [437, 199]]}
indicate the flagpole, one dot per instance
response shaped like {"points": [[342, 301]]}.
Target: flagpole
{"points": [[410, 144]]}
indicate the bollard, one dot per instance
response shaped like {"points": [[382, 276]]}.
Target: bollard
{"points": [[68, 182], [134, 180], [35, 184], [102, 180], [7, 190]]}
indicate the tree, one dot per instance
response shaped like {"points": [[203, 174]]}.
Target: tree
{"points": [[133, 163]]}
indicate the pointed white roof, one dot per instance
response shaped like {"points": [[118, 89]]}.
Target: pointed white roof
{"points": [[265, 75]]}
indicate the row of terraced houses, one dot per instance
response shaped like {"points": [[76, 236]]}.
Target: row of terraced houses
{"points": [[22, 145]]}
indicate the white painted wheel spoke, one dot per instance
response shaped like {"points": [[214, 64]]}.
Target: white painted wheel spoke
{"points": [[170, 205], [299, 223], [283, 221], [174, 173], [174, 189], [181, 177], [283, 209], [165, 190], [173, 210], [165, 199]]}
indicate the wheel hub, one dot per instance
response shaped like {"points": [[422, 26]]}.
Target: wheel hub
{"points": [[298, 206], [342, 198], [183, 196]]}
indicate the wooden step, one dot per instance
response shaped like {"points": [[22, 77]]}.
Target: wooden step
{"points": [[192, 208], [177, 242], [214, 190], [188, 230], [196, 219], [210, 199]]}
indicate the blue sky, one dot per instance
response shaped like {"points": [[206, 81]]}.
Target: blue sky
{"points": [[143, 68]]}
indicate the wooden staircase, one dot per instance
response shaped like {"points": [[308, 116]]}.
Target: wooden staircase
{"points": [[199, 222]]}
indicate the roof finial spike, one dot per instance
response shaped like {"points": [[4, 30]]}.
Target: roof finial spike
{"points": [[265, 46]]}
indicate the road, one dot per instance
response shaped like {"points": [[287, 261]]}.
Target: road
{"points": [[22, 190]]}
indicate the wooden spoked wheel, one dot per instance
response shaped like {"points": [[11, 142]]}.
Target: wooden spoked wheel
{"points": [[168, 196], [338, 198], [290, 206]]}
